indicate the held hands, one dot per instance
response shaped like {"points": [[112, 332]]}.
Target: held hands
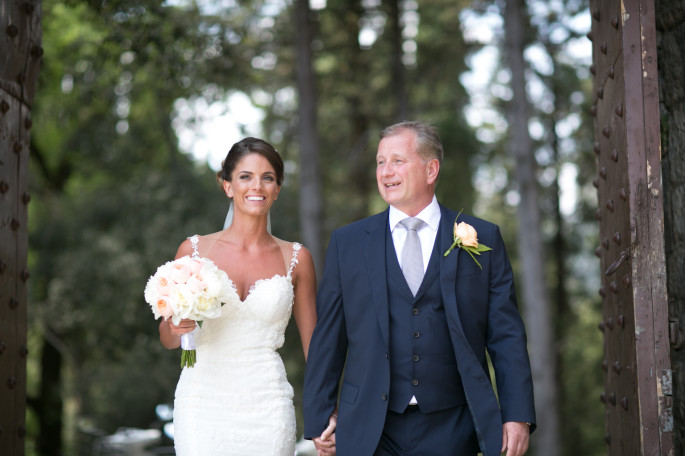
{"points": [[325, 445], [515, 438]]}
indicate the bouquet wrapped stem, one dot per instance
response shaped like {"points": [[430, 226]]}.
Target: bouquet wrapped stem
{"points": [[188, 354]]}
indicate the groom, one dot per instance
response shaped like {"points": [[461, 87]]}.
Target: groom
{"points": [[411, 326]]}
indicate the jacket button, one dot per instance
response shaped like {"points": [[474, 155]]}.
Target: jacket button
{"points": [[384, 397], [415, 310], [414, 382], [417, 334], [387, 356], [415, 358]]}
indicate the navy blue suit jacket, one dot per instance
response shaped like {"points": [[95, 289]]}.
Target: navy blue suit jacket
{"points": [[352, 332]]}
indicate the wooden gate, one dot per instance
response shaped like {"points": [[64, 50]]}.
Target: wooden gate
{"points": [[637, 369], [20, 54]]}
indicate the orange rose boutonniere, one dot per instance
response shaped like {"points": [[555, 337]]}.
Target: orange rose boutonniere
{"points": [[466, 237]]}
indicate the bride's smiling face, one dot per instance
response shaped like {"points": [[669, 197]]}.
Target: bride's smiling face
{"points": [[253, 185]]}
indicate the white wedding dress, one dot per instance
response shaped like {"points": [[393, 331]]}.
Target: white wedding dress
{"points": [[236, 400]]}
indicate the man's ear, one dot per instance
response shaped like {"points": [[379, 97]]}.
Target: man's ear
{"points": [[433, 170]]}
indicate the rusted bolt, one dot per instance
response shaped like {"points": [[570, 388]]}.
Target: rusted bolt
{"points": [[598, 252], [606, 132], [602, 293], [592, 69], [621, 321], [617, 367], [610, 323], [12, 30], [589, 36], [595, 182], [23, 351], [610, 72], [12, 382], [4, 106], [610, 205], [600, 93], [603, 47], [603, 397], [624, 403], [597, 148], [4, 186], [603, 172], [617, 238], [619, 110], [600, 326], [614, 155], [25, 275], [605, 365], [626, 281], [17, 148], [623, 194], [3, 347], [614, 22], [613, 287], [14, 224], [14, 303], [593, 111], [37, 52]]}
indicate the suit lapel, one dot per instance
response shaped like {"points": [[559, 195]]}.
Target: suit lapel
{"points": [[377, 272]]}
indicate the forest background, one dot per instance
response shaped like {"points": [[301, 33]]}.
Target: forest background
{"points": [[123, 158]]}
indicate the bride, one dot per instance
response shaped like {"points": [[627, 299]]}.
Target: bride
{"points": [[236, 400]]}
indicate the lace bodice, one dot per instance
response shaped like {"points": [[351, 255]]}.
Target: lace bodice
{"points": [[259, 321]]}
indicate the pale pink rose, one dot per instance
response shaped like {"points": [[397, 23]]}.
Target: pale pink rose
{"points": [[195, 266], [164, 310], [180, 272], [163, 284], [467, 234], [195, 284]]}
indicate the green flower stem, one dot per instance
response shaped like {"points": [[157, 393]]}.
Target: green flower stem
{"points": [[188, 358]]}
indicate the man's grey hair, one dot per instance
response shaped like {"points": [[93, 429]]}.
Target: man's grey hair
{"points": [[428, 142]]}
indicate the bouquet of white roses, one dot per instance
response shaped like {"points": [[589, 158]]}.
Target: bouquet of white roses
{"points": [[188, 287]]}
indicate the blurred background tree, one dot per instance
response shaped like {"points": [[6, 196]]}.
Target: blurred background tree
{"points": [[117, 185]]}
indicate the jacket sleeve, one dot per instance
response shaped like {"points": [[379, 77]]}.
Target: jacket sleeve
{"points": [[506, 340], [327, 350]]}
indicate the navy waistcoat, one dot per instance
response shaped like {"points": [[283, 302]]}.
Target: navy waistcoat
{"points": [[422, 361]]}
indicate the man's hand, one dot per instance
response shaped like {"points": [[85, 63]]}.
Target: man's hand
{"points": [[325, 445], [515, 438]]}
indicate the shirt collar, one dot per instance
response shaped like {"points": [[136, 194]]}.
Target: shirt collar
{"points": [[430, 214]]}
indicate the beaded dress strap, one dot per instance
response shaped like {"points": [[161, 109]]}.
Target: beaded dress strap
{"points": [[293, 261], [193, 242]]}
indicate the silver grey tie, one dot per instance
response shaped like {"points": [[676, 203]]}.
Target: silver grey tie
{"points": [[412, 258]]}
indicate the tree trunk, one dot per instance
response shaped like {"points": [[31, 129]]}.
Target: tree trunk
{"points": [[49, 404], [398, 73], [670, 22], [310, 181], [536, 306]]}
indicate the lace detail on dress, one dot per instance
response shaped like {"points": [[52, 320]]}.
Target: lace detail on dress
{"points": [[293, 261], [193, 243]]}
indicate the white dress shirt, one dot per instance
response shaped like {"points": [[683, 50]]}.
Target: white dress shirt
{"points": [[427, 233]]}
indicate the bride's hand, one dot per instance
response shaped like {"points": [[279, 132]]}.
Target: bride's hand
{"points": [[325, 445], [184, 327]]}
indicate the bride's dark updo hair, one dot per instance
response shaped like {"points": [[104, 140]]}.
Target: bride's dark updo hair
{"points": [[245, 147]]}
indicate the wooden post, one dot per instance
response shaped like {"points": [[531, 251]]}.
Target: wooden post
{"points": [[20, 39]]}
